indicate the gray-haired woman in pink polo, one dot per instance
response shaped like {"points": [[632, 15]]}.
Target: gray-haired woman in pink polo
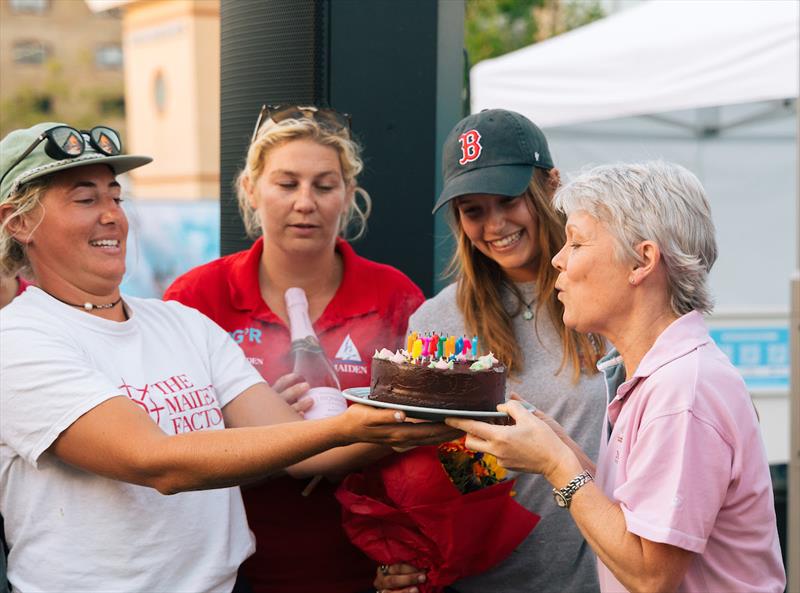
{"points": [[681, 498]]}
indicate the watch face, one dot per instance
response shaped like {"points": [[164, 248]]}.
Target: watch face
{"points": [[560, 500]]}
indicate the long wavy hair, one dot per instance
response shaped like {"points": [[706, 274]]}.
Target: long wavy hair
{"points": [[481, 282]]}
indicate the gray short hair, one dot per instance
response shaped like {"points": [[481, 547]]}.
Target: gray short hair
{"points": [[656, 201]]}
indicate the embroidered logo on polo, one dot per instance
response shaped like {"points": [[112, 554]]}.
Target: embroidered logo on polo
{"points": [[247, 334], [348, 360], [470, 146]]}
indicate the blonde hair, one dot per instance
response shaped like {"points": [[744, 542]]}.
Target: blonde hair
{"points": [[272, 135], [13, 257], [481, 280]]}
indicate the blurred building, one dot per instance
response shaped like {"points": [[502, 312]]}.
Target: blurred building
{"points": [[172, 93], [60, 61]]}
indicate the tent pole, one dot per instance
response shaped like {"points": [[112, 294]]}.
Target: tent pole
{"points": [[793, 510]]}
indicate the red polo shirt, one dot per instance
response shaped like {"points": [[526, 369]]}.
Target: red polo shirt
{"points": [[22, 284], [300, 544]]}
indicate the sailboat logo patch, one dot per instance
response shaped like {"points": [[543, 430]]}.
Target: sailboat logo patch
{"points": [[348, 351], [348, 360]]}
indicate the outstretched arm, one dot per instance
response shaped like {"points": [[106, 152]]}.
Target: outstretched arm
{"points": [[118, 440], [531, 445], [259, 407]]}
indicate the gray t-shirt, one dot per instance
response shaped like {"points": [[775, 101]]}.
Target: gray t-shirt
{"points": [[554, 557]]}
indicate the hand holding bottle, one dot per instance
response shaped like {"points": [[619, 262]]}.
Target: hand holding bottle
{"points": [[310, 361], [292, 387]]}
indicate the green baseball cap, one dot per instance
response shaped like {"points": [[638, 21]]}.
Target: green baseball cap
{"points": [[39, 163], [492, 152]]}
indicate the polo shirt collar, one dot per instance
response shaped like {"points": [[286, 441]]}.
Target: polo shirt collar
{"points": [[682, 336], [353, 298]]}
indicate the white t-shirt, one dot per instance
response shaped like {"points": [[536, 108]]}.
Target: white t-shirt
{"points": [[70, 530]]}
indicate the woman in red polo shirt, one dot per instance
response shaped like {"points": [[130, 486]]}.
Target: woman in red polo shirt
{"points": [[298, 191]]}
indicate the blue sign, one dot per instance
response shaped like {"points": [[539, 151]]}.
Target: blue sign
{"points": [[166, 239], [761, 354]]}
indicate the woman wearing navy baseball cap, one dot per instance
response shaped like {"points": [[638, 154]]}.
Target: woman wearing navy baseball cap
{"points": [[499, 180]]}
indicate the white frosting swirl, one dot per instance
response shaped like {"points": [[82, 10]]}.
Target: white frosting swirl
{"points": [[384, 354], [398, 358]]}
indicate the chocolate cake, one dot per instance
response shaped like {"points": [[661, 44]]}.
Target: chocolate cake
{"points": [[458, 385]]}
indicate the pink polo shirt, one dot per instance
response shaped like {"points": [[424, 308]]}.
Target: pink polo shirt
{"points": [[686, 463]]}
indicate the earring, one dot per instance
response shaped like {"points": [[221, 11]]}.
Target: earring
{"points": [[632, 280]]}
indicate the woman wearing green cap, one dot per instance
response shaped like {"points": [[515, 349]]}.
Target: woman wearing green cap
{"points": [[109, 403], [499, 180]]}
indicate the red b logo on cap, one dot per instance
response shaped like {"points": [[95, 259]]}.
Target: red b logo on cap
{"points": [[470, 146]]}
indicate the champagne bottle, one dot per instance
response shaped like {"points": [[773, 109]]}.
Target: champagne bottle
{"points": [[310, 361]]}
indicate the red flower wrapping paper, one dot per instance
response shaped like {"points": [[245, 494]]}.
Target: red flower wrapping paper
{"points": [[406, 509]]}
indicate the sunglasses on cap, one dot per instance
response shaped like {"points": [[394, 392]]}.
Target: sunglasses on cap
{"points": [[64, 142], [327, 118]]}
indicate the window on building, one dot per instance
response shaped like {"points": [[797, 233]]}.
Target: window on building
{"points": [[160, 92], [42, 104], [109, 13], [108, 56], [112, 106], [31, 52], [31, 6]]}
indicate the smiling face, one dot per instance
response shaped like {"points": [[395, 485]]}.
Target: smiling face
{"points": [[505, 229], [592, 281], [300, 196], [76, 236]]}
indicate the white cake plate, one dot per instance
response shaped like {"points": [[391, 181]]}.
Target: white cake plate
{"points": [[360, 395]]}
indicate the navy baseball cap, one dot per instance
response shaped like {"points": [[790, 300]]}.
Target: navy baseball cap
{"points": [[492, 152]]}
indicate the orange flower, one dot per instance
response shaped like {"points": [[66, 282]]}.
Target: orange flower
{"points": [[479, 470], [469, 470]]}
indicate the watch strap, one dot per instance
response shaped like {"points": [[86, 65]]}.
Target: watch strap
{"points": [[564, 495]]}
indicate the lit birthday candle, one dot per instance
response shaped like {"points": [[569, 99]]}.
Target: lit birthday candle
{"points": [[440, 347], [416, 349], [475, 347], [426, 345], [467, 347], [434, 344], [459, 345], [411, 339], [450, 346]]}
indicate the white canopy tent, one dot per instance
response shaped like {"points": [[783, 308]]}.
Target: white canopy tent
{"points": [[712, 85], [659, 56]]}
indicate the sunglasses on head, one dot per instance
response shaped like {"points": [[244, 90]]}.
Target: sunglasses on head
{"points": [[64, 142], [327, 118]]}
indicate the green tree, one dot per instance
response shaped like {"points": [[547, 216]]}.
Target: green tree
{"points": [[495, 27], [578, 13], [57, 100]]}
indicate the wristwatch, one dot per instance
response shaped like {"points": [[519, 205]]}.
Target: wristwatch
{"points": [[564, 496]]}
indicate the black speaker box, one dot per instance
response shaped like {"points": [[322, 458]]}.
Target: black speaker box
{"points": [[396, 66]]}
